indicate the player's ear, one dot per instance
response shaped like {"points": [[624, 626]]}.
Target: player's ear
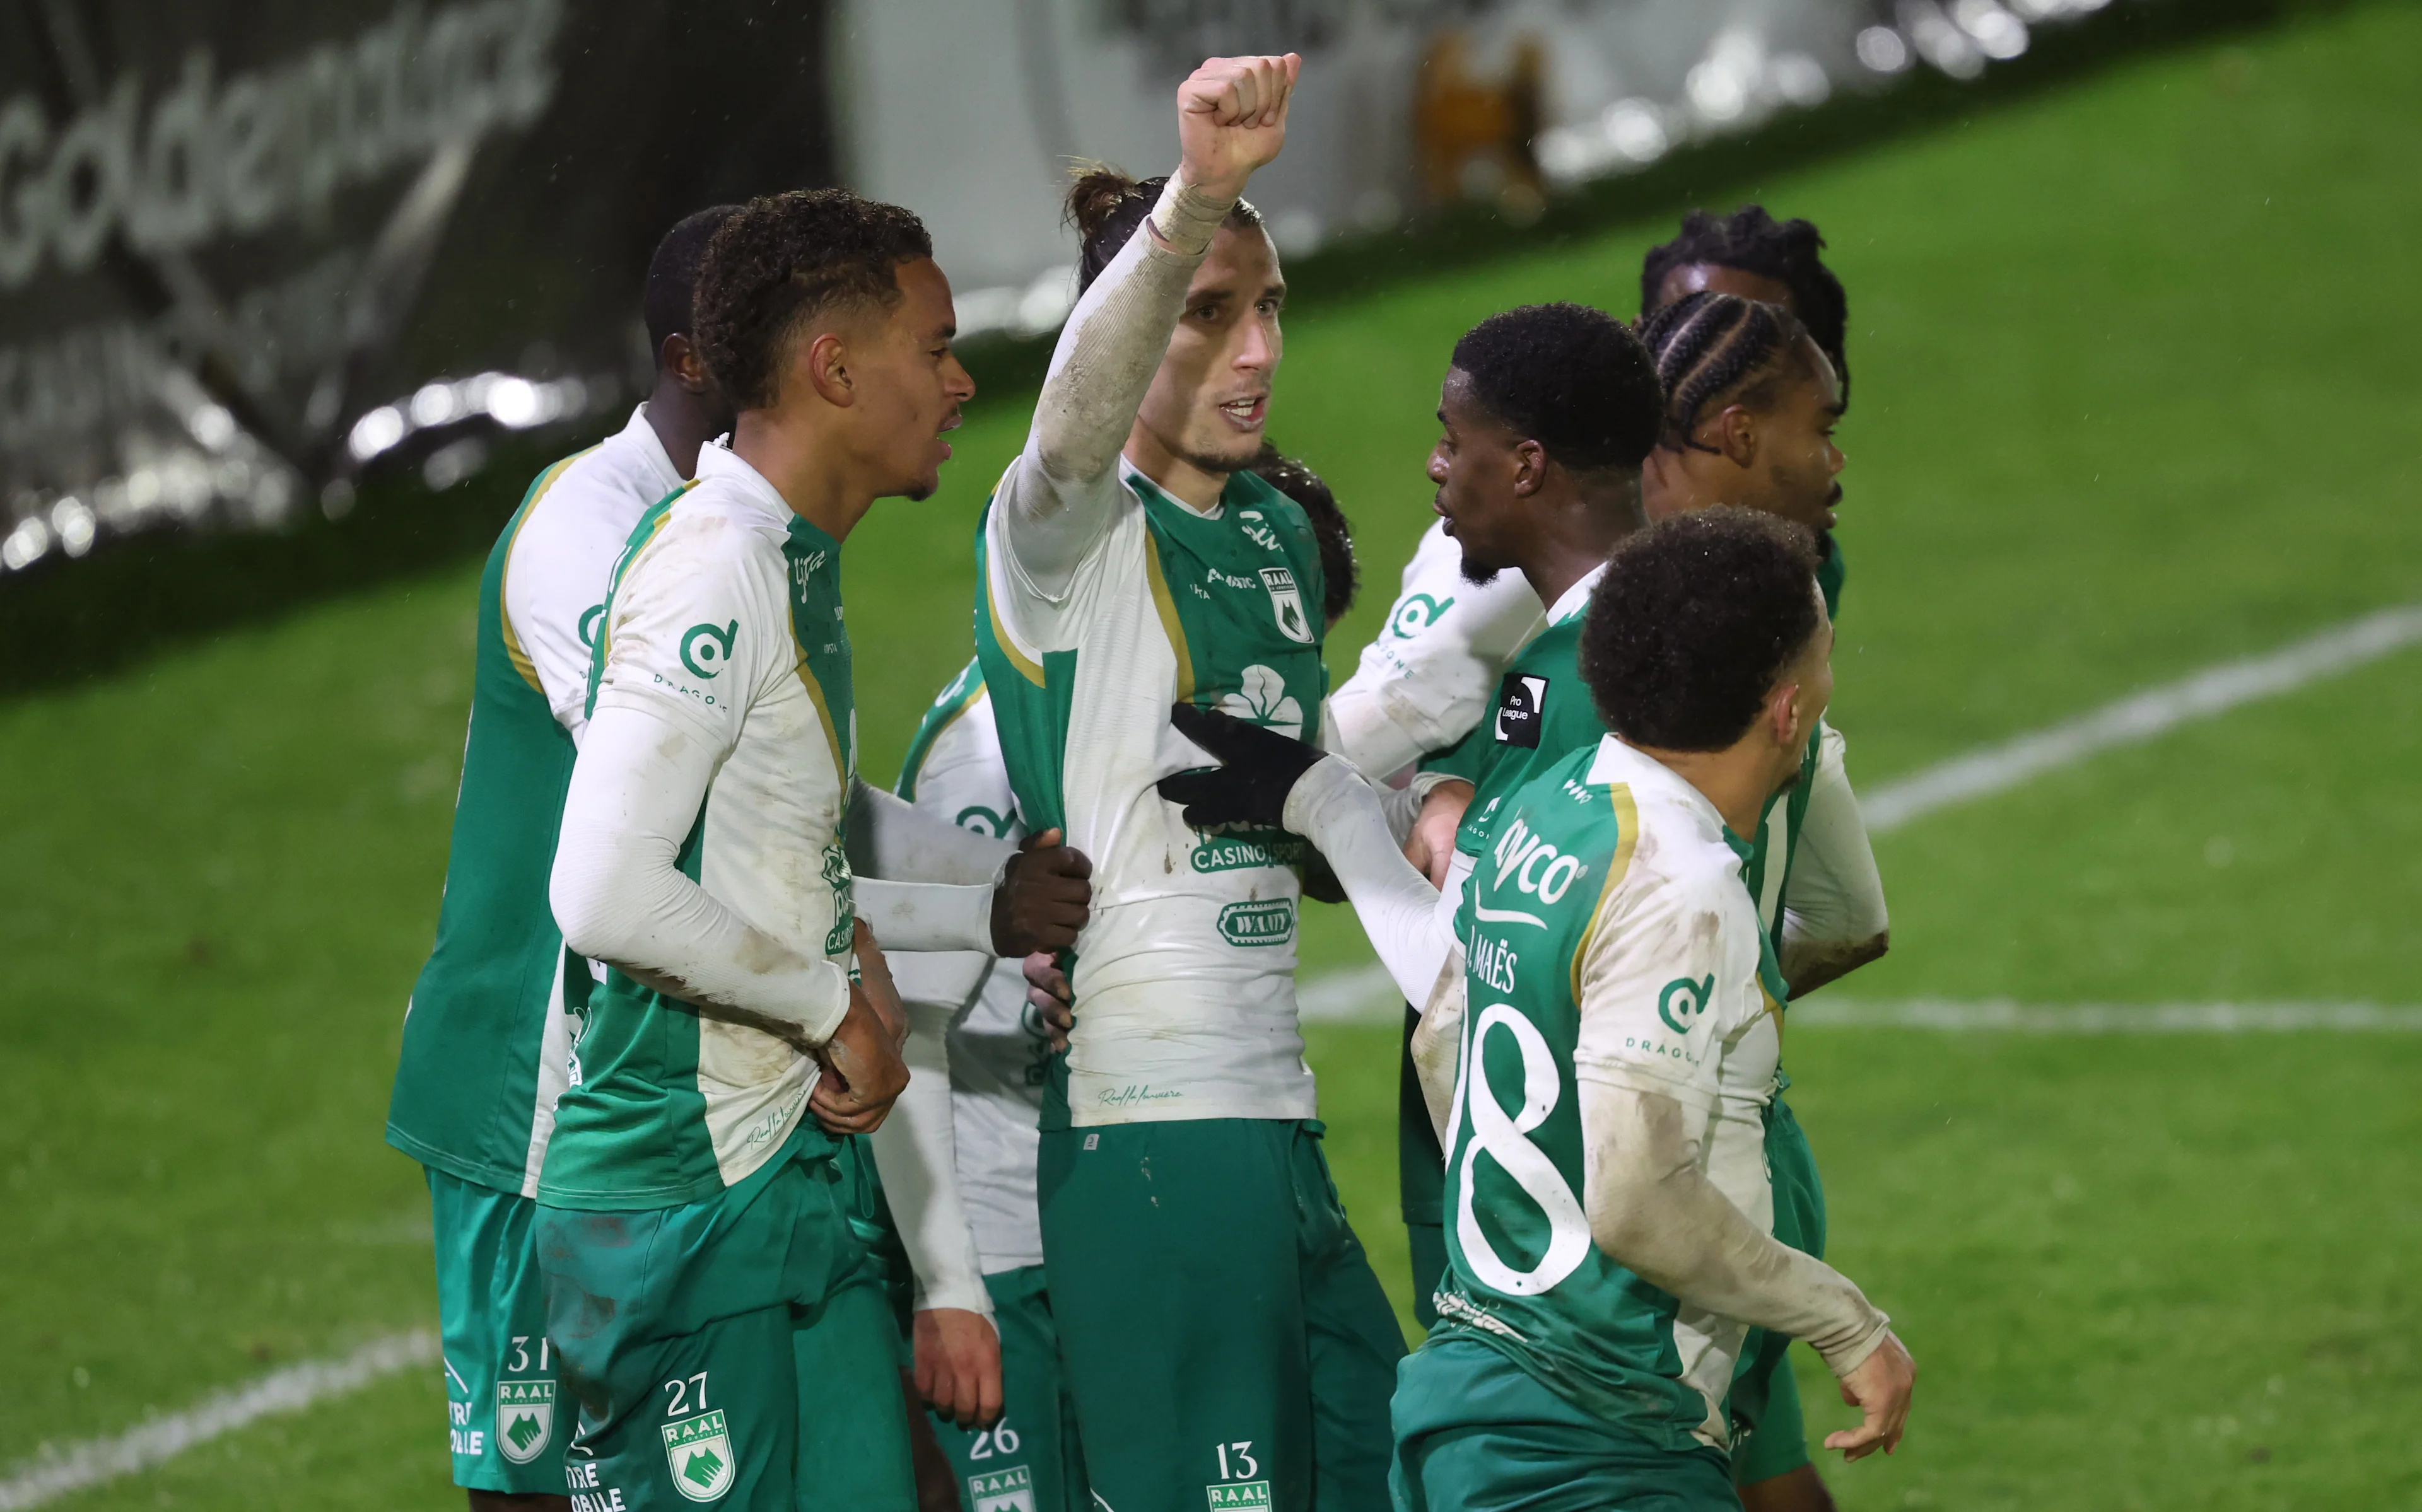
{"points": [[1782, 715], [1530, 468], [680, 358], [827, 362], [1737, 434]]}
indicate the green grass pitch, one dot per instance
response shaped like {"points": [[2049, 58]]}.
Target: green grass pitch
{"points": [[2134, 392]]}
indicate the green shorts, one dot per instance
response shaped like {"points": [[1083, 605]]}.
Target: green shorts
{"points": [[1223, 1336], [729, 1351], [1770, 1437], [500, 1379], [1029, 1461], [1421, 1181], [1475, 1432]]}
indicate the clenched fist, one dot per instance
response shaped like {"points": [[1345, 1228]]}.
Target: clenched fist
{"points": [[1232, 119]]}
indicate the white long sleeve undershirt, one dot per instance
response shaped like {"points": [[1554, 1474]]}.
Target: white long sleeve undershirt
{"points": [[915, 1154], [619, 896], [1064, 492], [1652, 1207], [1340, 813]]}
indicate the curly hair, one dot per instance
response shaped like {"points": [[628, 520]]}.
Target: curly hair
{"points": [[1573, 379], [1693, 624], [1340, 576], [782, 260], [1720, 349], [1753, 241], [1105, 207]]}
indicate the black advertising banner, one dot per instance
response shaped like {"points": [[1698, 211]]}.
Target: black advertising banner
{"points": [[248, 247]]}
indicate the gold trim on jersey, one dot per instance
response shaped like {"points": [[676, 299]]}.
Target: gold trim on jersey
{"points": [[1627, 821], [513, 652], [823, 712], [1167, 607]]}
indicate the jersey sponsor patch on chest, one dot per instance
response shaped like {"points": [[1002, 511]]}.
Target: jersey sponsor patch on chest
{"points": [[1522, 710]]}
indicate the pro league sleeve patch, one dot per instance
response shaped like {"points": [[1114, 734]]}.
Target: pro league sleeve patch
{"points": [[1521, 707]]}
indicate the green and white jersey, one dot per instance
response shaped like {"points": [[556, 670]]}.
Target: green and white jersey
{"points": [[1543, 713], [726, 622], [1609, 939], [999, 1053], [1185, 977], [1425, 680], [487, 1043]]}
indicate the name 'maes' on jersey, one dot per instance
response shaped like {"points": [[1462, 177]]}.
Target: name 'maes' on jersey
{"points": [[726, 622], [1608, 939], [1185, 977]]}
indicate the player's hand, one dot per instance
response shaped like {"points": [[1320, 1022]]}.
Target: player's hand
{"points": [[1047, 991], [1232, 119], [1880, 1388], [1259, 766], [863, 1074], [958, 1365], [1430, 844], [1044, 897], [875, 974]]}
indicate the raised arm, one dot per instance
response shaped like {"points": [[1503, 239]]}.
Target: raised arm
{"points": [[1062, 493]]}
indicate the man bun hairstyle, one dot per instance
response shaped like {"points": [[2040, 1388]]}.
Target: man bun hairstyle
{"points": [[1694, 623], [1572, 378], [672, 274], [1340, 577], [1716, 350], [783, 260], [1750, 241], [1105, 207]]}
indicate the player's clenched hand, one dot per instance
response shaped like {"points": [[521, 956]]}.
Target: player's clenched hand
{"points": [[1880, 1388], [863, 1074], [1047, 991], [958, 1365], [1258, 769], [1430, 846], [1232, 119], [1044, 897]]}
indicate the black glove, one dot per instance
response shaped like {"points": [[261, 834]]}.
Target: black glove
{"points": [[1259, 768]]}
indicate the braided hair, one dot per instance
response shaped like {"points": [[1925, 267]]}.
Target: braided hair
{"points": [[1753, 241], [1718, 350], [1105, 207]]}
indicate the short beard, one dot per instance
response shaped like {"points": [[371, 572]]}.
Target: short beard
{"points": [[1477, 575], [1205, 462]]}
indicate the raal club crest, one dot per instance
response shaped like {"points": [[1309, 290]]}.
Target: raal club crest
{"points": [[698, 1451], [524, 1418]]}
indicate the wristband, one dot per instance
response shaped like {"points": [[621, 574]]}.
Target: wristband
{"points": [[1187, 218]]}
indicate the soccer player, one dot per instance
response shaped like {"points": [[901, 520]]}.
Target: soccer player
{"points": [[1751, 404], [1223, 1335], [1619, 1004], [1007, 1425], [487, 1041], [692, 1224], [1751, 254]]}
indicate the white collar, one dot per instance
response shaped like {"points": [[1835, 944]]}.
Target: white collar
{"points": [[641, 440], [1134, 474], [1618, 762], [1575, 598], [718, 463]]}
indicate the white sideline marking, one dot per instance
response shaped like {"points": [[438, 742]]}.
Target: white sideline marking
{"points": [[1364, 994], [55, 1472], [2109, 1018], [2141, 717]]}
